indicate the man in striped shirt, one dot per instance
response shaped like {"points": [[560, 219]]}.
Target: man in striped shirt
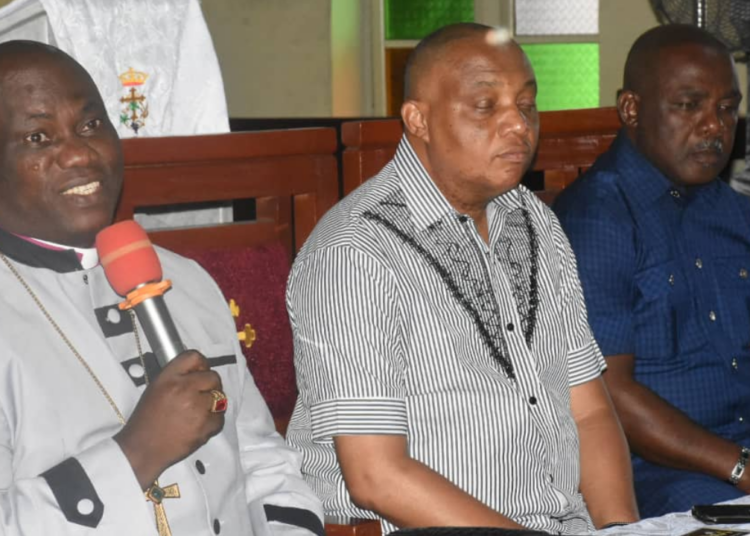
{"points": [[446, 370]]}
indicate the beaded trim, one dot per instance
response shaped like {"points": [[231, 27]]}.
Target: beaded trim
{"points": [[514, 256], [479, 302], [454, 290]]}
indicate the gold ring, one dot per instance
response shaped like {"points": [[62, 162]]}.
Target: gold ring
{"points": [[220, 402]]}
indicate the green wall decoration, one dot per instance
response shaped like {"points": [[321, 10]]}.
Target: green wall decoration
{"points": [[567, 74], [415, 19]]}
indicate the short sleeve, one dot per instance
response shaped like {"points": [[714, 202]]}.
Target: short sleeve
{"points": [[605, 253], [344, 313], [585, 360]]}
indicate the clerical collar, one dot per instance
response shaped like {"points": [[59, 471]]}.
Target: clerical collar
{"points": [[88, 257], [40, 254]]}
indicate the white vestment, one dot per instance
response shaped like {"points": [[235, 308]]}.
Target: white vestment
{"points": [[62, 473]]}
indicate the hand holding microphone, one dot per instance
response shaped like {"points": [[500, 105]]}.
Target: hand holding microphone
{"points": [[183, 407], [133, 269]]}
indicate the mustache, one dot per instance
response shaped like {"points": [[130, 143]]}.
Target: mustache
{"points": [[715, 145]]}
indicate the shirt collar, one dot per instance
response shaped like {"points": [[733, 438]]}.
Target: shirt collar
{"points": [[425, 201], [645, 184], [88, 257], [41, 254]]}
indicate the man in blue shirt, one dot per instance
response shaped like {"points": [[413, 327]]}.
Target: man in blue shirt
{"points": [[663, 248]]}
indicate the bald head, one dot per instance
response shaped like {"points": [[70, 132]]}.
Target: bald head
{"points": [[21, 48], [470, 113], [432, 48], [646, 53], [16, 56]]}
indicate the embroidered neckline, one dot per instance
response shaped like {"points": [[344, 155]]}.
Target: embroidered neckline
{"points": [[475, 296]]}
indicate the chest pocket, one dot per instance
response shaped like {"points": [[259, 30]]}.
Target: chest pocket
{"points": [[733, 281], [664, 324]]}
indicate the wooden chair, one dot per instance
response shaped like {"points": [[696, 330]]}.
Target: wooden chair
{"points": [[292, 175], [569, 142]]}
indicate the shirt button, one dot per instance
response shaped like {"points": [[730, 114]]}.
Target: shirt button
{"points": [[85, 507], [136, 371], [741, 419], [743, 273], [712, 316], [217, 526], [510, 326], [735, 365], [532, 400], [463, 219], [671, 279], [86, 279], [698, 263], [113, 316], [674, 193], [200, 467]]}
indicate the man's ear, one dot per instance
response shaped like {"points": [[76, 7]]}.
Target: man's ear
{"points": [[627, 107], [414, 115]]}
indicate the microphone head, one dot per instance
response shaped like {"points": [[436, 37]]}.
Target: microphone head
{"points": [[127, 256]]}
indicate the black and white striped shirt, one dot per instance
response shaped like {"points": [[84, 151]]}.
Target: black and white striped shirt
{"points": [[406, 322]]}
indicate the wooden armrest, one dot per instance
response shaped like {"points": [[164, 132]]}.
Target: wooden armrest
{"points": [[352, 526]]}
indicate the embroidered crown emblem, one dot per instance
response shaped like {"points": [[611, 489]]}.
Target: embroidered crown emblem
{"points": [[135, 111], [131, 77]]}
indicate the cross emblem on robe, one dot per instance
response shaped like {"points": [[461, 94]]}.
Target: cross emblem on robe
{"points": [[132, 101], [156, 495]]}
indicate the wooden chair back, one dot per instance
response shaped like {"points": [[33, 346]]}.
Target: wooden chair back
{"points": [[291, 174], [569, 142], [293, 178]]}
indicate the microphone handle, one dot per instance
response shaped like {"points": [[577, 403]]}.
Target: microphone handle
{"points": [[159, 329]]}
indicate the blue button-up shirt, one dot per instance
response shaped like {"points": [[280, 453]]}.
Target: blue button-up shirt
{"points": [[666, 276]]}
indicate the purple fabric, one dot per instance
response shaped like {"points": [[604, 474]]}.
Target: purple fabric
{"points": [[255, 278]]}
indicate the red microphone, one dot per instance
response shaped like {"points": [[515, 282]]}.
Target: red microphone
{"points": [[134, 271]]}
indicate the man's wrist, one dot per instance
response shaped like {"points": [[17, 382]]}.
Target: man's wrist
{"points": [[739, 467]]}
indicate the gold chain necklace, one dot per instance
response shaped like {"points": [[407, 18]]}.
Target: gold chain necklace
{"points": [[154, 493]]}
